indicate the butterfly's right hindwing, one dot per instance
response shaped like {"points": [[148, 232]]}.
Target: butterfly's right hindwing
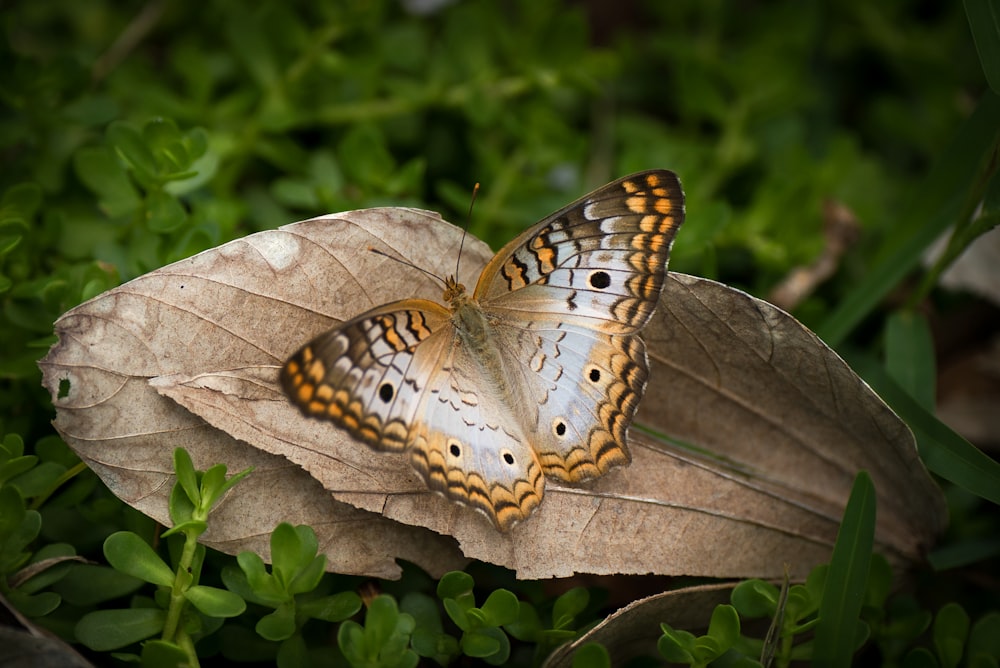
{"points": [[360, 376]]}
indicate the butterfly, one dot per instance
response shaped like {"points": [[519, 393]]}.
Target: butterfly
{"points": [[536, 374]]}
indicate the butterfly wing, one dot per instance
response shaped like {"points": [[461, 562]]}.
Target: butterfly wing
{"points": [[581, 389], [363, 375], [466, 445], [601, 261], [567, 298], [396, 379]]}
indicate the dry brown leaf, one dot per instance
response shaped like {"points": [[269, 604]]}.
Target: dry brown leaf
{"points": [[633, 630], [730, 374]]}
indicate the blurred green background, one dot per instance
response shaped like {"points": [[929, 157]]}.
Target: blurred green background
{"points": [[135, 134]]}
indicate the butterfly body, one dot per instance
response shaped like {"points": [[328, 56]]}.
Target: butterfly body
{"points": [[537, 373]]}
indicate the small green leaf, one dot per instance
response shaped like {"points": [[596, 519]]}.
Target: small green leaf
{"points": [[86, 585], [280, 624], [24, 198], [335, 608], [480, 644], [454, 584], [163, 654], [380, 621], [568, 606], [215, 602], [128, 553], [591, 655], [501, 607], [676, 646], [724, 626], [99, 169], [105, 630], [984, 639], [34, 605], [457, 614], [164, 212], [528, 624], [187, 477], [951, 628], [755, 598], [130, 145]]}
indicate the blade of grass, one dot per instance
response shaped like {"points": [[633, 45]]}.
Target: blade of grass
{"points": [[934, 206], [943, 451], [909, 356], [984, 23], [844, 592]]}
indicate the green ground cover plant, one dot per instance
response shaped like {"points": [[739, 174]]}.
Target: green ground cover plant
{"points": [[134, 135]]}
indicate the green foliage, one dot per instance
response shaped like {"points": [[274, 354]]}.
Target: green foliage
{"points": [[193, 496], [131, 141]]}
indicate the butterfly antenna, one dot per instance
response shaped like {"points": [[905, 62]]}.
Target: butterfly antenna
{"points": [[465, 230], [408, 264]]}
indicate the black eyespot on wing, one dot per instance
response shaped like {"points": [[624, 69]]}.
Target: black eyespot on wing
{"points": [[509, 458], [455, 449], [560, 428], [594, 375], [386, 392], [599, 280]]}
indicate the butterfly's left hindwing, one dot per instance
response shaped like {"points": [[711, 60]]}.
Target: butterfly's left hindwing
{"points": [[361, 375]]}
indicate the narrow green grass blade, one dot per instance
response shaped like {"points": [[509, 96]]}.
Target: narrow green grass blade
{"points": [[933, 207], [984, 22], [909, 356], [840, 609], [943, 451]]}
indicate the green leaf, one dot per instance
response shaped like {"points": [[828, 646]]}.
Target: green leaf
{"points": [[909, 356], [675, 646], [591, 655], [130, 554], [568, 606], [755, 598], [36, 605], [455, 583], [187, 477], [984, 639], [130, 145], [105, 630], [724, 627], [943, 451], [215, 602], [337, 607], [280, 624], [480, 644], [163, 654], [951, 628], [380, 622], [984, 22], [457, 614], [501, 607], [86, 585], [99, 170], [837, 629], [164, 213], [293, 652]]}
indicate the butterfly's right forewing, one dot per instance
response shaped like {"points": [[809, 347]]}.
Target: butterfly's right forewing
{"points": [[361, 375]]}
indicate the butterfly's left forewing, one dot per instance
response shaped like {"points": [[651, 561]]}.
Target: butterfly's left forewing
{"points": [[361, 375]]}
